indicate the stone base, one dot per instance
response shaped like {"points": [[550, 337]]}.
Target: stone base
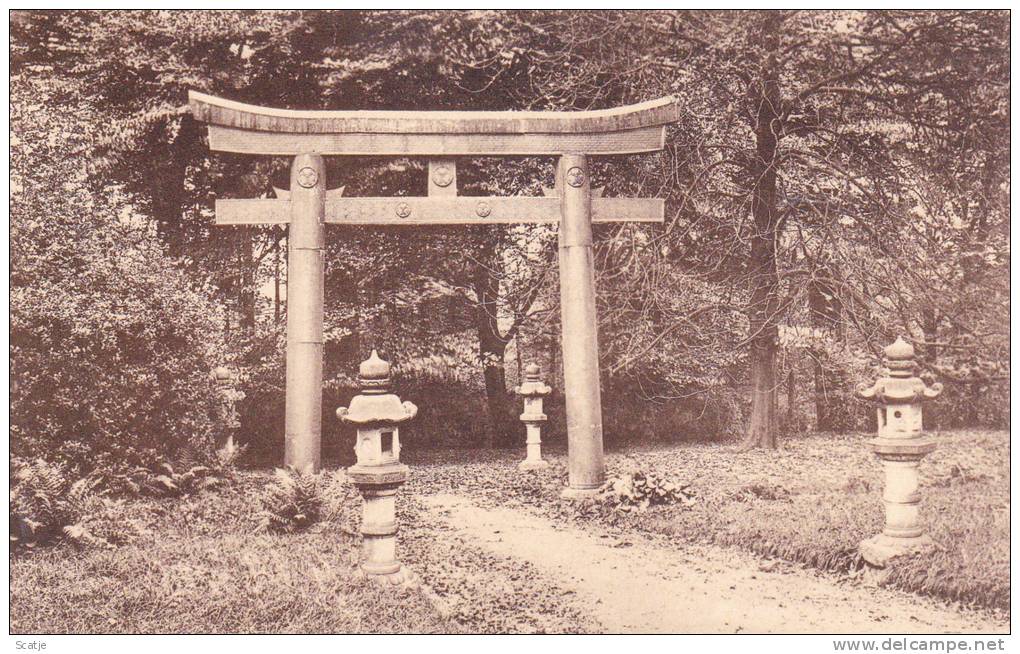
{"points": [[533, 465], [881, 549], [403, 577], [578, 493]]}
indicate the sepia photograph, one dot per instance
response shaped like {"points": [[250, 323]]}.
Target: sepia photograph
{"points": [[510, 321]]}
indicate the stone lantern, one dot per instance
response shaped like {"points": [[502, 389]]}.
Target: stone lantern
{"points": [[533, 390], [378, 473], [226, 382], [900, 446]]}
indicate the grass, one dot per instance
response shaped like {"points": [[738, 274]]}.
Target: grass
{"points": [[811, 502], [200, 568]]}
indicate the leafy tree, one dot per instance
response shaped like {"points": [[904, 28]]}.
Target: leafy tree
{"points": [[801, 137], [111, 344]]}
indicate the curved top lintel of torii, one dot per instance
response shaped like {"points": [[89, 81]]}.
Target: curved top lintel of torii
{"points": [[228, 113], [249, 129]]}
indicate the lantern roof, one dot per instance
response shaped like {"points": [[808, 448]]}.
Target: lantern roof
{"points": [[377, 410], [375, 405], [899, 350], [533, 386]]}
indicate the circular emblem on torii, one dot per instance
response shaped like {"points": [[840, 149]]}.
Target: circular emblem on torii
{"points": [[307, 177], [442, 175], [403, 210], [575, 176]]}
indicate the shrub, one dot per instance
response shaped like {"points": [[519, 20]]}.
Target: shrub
{"points": [[638, 490], [47, 506], [262, 410], [110, 341], [112, 363], [969, 405], [714, 413], [296, 500]]}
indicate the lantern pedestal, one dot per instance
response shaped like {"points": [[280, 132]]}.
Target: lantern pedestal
{"points": [[879, 550], [226, 381], [903, 533], [533, 460], [578, 493], [378, 487]]}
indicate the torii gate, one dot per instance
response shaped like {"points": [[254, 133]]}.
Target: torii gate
{"points": [[438, 135]]}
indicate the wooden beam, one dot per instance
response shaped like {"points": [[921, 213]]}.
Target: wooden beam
{"points": [[483, 211], [631, 141], [228, 113], [441, 211]]}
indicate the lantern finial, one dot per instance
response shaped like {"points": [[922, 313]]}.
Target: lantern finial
{"points": [[374, 373], [900, 350]]}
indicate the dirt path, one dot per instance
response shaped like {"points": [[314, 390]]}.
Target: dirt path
{"points": [[636, 585]]}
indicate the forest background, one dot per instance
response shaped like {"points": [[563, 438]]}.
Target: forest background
{"points": [[837, 179]]}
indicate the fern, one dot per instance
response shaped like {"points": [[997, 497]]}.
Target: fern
{"points": [[162, 480], [46, 506], [295, 501]]}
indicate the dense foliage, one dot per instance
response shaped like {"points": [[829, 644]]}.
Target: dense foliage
{"points": [[111, 342], [837, 178]]}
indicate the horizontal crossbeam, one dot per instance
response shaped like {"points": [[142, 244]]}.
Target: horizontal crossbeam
{"points": [[440, 211], [631, 141], [228, 113]]}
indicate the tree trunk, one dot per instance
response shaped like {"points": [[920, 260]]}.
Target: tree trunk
{"points": [[823, 414], [790, 397], [246, 295], [166, 193], [276, 282], [497, 399], [930, 326], [517, 352], [492, 348], [167, 189], [763, 310], [761, 428]]}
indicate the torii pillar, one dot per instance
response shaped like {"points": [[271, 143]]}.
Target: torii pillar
{"points": [[305, 280], [439, 136], [578, 322]]}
